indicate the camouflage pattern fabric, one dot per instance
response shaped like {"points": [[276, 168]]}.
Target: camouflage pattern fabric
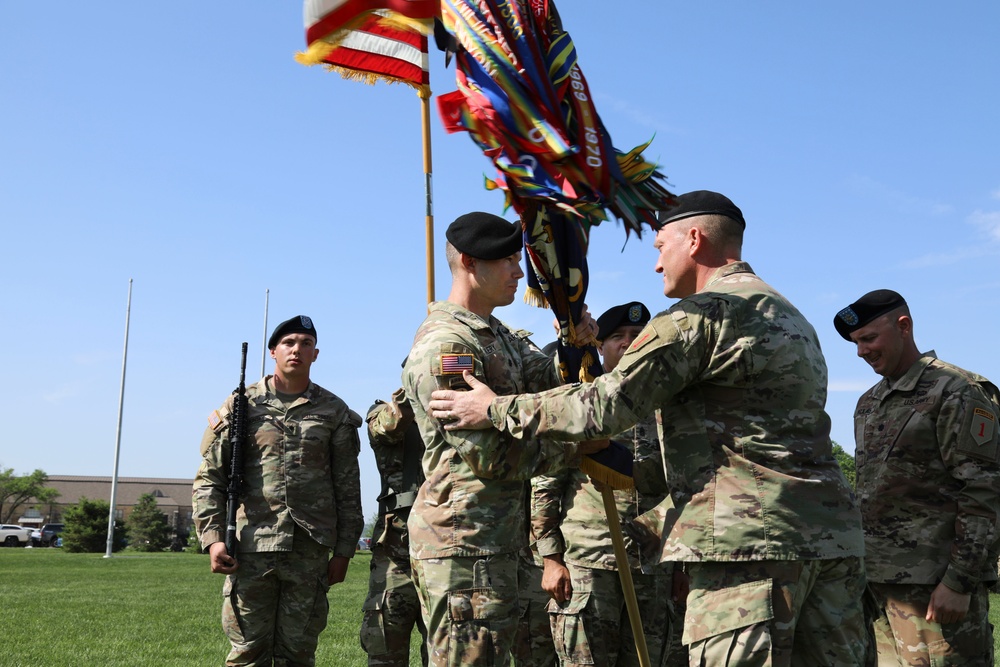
{"points": [[776, 614], [473, 500], [301, 498], [676, 653], [927, 448], [904, 637], [593, 627], [567, 511], [533, 645], [471, 607], [275, 607], [392, 608], [301, 469], [567, 517], [738, 380], [470, 513]]}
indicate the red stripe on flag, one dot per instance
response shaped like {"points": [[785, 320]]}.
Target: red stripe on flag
{"points": [[323, 17], [384, 51]]}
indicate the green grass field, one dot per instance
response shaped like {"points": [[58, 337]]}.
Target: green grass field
{"points": [[163, 609], [64, 609]]}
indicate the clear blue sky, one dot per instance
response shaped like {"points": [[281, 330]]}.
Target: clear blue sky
{"points": [[182, 146]]}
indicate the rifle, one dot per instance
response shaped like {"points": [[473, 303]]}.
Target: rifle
{"points": [[237, 436]]}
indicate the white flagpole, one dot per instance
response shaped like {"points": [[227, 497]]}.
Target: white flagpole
{"points": [[263, 342], [118, 435]]}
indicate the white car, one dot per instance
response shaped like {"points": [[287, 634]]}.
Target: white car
{"points": [[14, 536]]}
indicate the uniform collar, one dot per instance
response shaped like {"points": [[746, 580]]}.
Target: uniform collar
{"points": [[728, 270], [910, 378], [466, 317]]}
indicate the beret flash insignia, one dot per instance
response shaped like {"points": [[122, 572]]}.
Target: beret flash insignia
{"points": [[635, 313], [306, 321], [848, 316]]}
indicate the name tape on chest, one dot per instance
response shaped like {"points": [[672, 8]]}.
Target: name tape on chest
{"points": [[455, 364]]}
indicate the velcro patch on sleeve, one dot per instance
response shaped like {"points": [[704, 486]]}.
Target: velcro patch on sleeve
{"points": [[455, 364], [983, 426], [646, 336], [214, 420]]}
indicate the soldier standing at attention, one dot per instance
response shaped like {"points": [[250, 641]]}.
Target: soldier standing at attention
{"points": [[590, 623], [929, 487], [469, 520], [763, 515], [392, 608], [301, 499]]}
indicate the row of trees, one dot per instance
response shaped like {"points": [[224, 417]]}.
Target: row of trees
{"points": [[87, 527]]}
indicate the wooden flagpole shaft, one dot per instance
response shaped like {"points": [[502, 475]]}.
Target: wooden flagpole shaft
{"points": [[425, 117], [625, 574]]}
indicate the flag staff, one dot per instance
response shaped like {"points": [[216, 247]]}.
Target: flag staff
{"points": [[263, 342], [118, 434], [425, 117]]}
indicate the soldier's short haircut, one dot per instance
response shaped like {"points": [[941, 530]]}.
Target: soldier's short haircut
{"points": [[722, 231]]}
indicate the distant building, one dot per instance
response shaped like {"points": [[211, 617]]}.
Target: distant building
{"points": [[173, 497]]}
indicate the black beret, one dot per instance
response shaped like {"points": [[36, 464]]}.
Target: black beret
{"points": [[702, 202], [485, 236], [627, 313], [298, 324], [864, 310]]}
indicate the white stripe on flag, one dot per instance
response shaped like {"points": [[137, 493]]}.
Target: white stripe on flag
{"points": [[383, 46]]}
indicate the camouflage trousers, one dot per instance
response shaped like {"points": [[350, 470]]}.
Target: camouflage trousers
{"points": [[391, 611], [904, 637], [533, 646], [470, 608], [776, 613], [593, 627], [676, 651], [275, 607]]}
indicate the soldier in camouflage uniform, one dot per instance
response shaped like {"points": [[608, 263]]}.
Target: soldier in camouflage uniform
{"points": [[469, 520], [301, 499], [392, 608], [762, 514], [590, 623], [929, 487]]}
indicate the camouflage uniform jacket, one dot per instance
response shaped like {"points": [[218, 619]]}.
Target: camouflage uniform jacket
{"points": [[928, 479], [300, 467], [393, 436], [739, 381], [567, 511], [473, 500]]}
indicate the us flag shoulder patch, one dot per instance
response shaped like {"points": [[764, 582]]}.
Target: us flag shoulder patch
{"points": [[214, 419], [454, 364]]}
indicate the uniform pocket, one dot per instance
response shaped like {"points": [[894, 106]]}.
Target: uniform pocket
{"points": [[569, 633], [481, 623], [373, 626], [734, 610]]}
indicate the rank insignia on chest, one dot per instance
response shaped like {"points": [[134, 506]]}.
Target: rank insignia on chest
{"points": [[454, 364]]}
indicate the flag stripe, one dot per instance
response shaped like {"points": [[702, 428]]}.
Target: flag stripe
{"points": [[402, 56], [323, 17]]}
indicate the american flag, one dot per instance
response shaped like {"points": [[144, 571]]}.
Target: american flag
{"points": [[370, 40], [454, 364]]}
